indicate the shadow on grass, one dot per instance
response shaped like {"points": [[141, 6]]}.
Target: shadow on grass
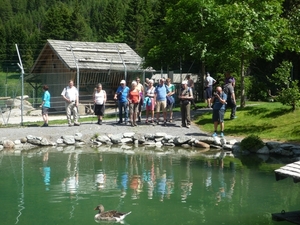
{"points": [[277, 112], [247, 130]]}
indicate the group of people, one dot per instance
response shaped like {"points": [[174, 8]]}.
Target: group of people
{"points": [[160, 98]]}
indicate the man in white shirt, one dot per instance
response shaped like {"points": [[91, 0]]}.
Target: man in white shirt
{"points": [[70, 95], [209, 82]]}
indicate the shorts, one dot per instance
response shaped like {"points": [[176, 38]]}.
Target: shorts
{"points": [[45, 110], [151, 106], [99, 110], [208, 92], [133, 108], [218, 115], [161, 105]]}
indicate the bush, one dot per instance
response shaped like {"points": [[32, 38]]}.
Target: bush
{"points": [[252, 143]]}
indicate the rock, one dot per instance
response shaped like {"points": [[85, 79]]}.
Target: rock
{"points": [[116, 139], [103, 139], [1, 147], [128, 135], [78, 137], [272, 144], [68, 139], [217, 141], [159, 135], [17, 142], [126, 140], [23, 140], [264, 150], [60, 141], [33, 140], [201, 144], [8, 144], [168, 144], [287, 146], [45, 142], [181, 140]]}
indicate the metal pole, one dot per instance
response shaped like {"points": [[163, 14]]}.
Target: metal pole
{"points": [[22, 78], [77, 68], [125, 67]]}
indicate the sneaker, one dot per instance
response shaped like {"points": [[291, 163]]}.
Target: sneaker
{"points": [[76, 124], [100, 122], [232, 118], [165, 123], [221, 134], [70, 124], [135, 125], [157, 122], [132, 124], [45, 125], [119, 122], [215, 134], [182, 125], [188, 126]]}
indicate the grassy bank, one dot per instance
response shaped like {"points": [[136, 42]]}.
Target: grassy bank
{"points": [[268, 120]]}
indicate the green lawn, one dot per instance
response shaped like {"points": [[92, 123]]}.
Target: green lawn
{"points": [[268, 120]]}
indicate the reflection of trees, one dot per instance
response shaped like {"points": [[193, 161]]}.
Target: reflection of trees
{"points": [[186, 184]]}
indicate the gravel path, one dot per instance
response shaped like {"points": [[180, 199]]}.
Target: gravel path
{"points": [[88, 129]]}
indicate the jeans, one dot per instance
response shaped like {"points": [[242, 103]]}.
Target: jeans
{"points": [[123, 106]]}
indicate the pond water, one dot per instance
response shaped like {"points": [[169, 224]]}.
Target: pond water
{"points": [[47, 186]]}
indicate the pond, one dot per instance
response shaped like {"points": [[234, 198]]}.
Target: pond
{"points": [[47, 186]]}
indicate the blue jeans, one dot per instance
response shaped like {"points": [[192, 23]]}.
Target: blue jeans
{"points": [[123, 106]]}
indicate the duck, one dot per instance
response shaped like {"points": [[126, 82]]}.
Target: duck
{"points": [[111, 215]]}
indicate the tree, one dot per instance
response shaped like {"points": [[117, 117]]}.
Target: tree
{"points": [[57, 23], [249, 30], [289, 93]]}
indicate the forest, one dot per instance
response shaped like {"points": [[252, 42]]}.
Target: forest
{"points": [[249, 38]]}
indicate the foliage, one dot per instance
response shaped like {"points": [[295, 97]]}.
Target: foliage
{"points": [[252, 143], [289, 93]]}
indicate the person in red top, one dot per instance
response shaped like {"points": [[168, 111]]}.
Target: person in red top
{"points": [[133, 100]]}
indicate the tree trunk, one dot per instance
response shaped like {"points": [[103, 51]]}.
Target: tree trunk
{"points": [[243, 101]]}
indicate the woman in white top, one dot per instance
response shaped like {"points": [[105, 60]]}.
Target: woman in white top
{"points": [[99, 101], [149, 101]]}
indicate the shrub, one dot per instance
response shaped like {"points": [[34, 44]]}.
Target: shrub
{"points": [[252, 143]]}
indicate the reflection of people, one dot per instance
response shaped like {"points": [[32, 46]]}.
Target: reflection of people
{"points": [[121, 95], [46, 171], [133, 100], [71, 182], [161, 185], [100, 180], [185, 96], [219, 101], [71, 97], [171, 93], [99, 101], [45, 105]]}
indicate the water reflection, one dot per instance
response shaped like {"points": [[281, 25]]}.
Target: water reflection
{"points": [[171, 186]]}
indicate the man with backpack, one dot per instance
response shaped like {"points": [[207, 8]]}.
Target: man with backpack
{"points": [[231, 101]]}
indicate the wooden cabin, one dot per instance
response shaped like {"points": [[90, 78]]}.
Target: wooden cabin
{"points": [[87, 63]]}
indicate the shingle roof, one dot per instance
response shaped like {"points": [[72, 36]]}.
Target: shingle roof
{"points": [[96, 55]]}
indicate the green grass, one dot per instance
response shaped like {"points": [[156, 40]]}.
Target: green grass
{"points": [[268, 120]]}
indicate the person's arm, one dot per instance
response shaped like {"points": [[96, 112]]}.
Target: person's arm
{"points": [[77, 99], [63, 94], [94, 97], [104, 97]]}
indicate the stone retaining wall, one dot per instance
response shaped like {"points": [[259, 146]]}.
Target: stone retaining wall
{"points": [[151, 140]]}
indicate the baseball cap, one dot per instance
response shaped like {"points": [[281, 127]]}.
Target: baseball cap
{"points": [[123, 82], [184, 82]]}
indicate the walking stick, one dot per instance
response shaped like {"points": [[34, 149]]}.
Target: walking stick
{"points": [[116, 106]]}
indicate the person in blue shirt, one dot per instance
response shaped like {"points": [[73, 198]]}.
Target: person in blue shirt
{"points": [[45, 105], [121, 96], [161, 92], [219, 102]]}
